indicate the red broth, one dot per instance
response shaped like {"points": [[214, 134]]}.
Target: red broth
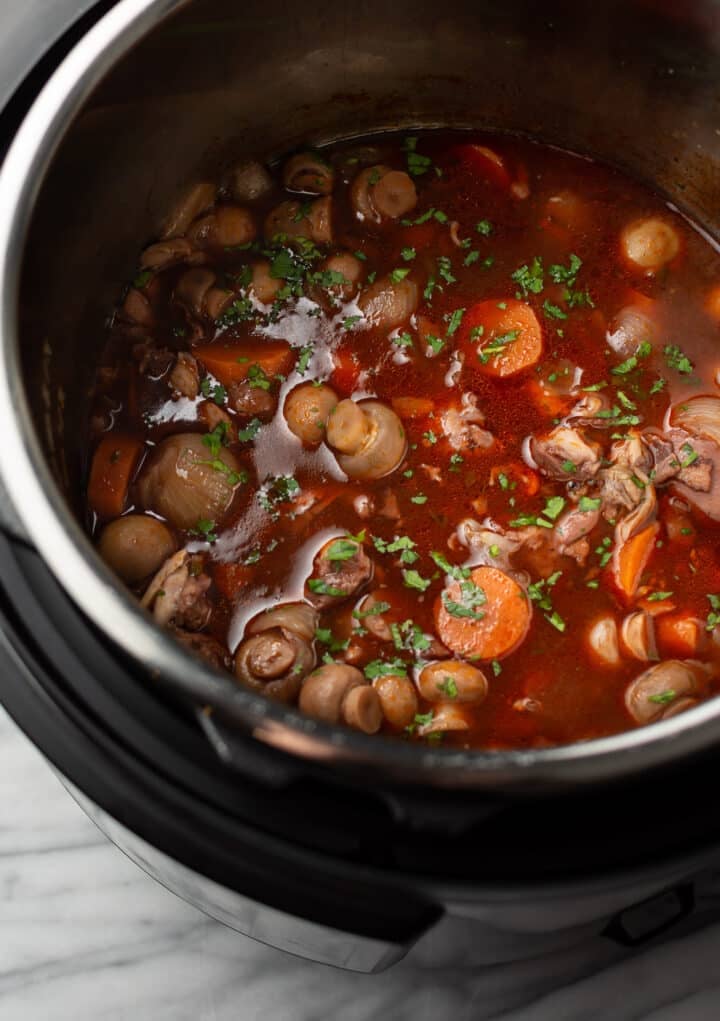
{"points": [[539, 528]]}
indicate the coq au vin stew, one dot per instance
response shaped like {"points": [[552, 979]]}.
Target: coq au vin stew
{"points": [[423, 436]]}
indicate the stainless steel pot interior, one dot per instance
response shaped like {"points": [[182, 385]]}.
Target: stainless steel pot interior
{"points": [[131, 117]]}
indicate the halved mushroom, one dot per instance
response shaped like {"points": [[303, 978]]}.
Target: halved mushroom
{"points": [[367, 438], [177, 595], [135, 546], [653, 694], [195, 201], [649, 244], [250, 181], [452, 681], [307, 410], [638, 636], [273, 662], [445, 718], [379, 193], [338, 693], [387, 304], [226, 227], [300, 618], [298, 220], [603, 641], [340, 569], [185, 483], [309, 174]]}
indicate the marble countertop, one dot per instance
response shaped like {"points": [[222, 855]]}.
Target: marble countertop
{"points": [[84, 934]]}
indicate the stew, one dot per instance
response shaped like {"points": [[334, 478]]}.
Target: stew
{"points": [[422, 434]]}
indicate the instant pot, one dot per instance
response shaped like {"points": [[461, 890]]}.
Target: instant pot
{"points": [[323, 842]]}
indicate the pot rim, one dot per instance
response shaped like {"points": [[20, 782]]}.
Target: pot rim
{"points": [[69, 554]]}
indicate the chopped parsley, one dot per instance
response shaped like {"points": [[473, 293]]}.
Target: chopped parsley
{"points": [[213, 391], [417, 164], [342, 549], [306, 354], [321, 588], [677, 360], [396, 275], [408, 254], [402, 544], [448, 687], [454, 321], [484, 227], [663, 697], [419, 498], [658, 597], [251, 431], [414, 580], [713, 618], [589, 503], [256, 378], [553, 311], [206, 529], [530, 278]]}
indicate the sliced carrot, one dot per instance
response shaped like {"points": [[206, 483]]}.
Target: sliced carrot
{"points": [[502, 337], [680, 636], [413, 407], [631, 559], [231, 363], [231, 579], [485, 162], [113, 467], [504, 617]]}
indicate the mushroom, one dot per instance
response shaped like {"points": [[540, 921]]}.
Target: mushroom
{"points": [[167, 253], [445, 718], [340, 569], [195, 201], [185, 376], [307, 409], [186, 483], [649, 244], [348, 268], [367, 615], [226, 227], [603, 641], [338, 693], [398, 699], [379, 193], [452, 681], [177, 595], [297, 220], [309, 174], [251, 401], [637, 634], [368, 438], [653, 694], [300, 618], [250, 181], [263, 286], [273, 662], [387, 304], [137, 308], [135, 546]]}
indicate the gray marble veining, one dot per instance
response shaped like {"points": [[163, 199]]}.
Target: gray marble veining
{"points": [[84, 934]]}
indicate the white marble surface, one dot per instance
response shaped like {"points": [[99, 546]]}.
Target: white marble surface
{"points": [[84, 934]]}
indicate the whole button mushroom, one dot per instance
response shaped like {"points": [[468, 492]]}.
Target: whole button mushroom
{"points": [[225, 227], [338, 693], [250, 181], [309, 174], [649, 244], [452, 681], [295, 220], [307, 410], [367, 438], [398, 699], [379, 193], [135, 546], [273, 663], [184, 483]]}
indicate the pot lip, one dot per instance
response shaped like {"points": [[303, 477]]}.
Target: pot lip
{"points": [[69, 554]]}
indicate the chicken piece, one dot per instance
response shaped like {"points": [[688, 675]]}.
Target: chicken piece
{"points": [[177, 595], [566, 455], [463, 427]]}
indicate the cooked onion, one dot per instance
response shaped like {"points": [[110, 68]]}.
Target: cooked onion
{"points": [[699, 415]]}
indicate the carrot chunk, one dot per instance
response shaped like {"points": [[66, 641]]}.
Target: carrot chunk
{"points": [[631, 559], [502, 338], [413, 407], [483, 630], [231, 363], [113, 467]]}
